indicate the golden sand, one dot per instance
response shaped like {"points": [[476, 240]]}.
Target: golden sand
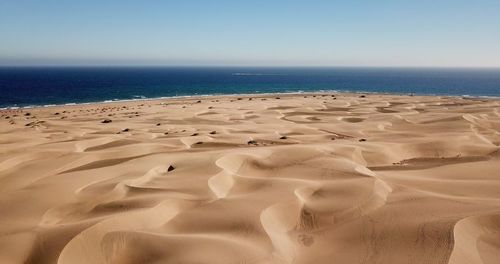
{"points": [[260, 179]]}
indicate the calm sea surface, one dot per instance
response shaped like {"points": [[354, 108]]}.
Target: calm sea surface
{"points": [[20, 87]]}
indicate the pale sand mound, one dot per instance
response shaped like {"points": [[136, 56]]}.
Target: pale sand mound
{"points": [[302, 179]]}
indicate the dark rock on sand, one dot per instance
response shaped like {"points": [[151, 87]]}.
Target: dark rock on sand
{"points": [[252, 142]]}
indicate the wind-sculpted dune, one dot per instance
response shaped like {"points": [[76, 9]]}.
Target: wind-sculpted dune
{"points": [[304, 178]]}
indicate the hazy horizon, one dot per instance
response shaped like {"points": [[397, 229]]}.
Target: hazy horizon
{"points": [[424, 34], [244, 66]]}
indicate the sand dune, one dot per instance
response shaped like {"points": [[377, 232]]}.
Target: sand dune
{"points": [[315, 178]]}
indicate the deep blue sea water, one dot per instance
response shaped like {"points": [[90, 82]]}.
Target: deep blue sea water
{"points": [[28, 86]]}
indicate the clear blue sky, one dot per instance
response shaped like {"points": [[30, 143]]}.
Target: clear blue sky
{"points": [[438, 33]]}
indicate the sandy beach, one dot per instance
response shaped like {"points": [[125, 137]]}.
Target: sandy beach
{"points": [[297, 178]]}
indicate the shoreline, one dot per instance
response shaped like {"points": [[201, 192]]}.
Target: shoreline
{"points": [[186, 97]]}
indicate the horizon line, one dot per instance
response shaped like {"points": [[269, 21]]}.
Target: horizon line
{"points": [[234, 66]]}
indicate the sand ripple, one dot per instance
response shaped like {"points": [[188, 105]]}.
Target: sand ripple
{"points": [[300, 179]]}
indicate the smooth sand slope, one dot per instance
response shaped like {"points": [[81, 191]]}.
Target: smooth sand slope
{"points": [[264, 179]]}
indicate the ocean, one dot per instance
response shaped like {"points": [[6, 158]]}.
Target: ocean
{"points": [[41, 86]]}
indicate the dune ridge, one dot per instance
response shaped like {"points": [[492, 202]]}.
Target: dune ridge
{"points": [[296, 178]]}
